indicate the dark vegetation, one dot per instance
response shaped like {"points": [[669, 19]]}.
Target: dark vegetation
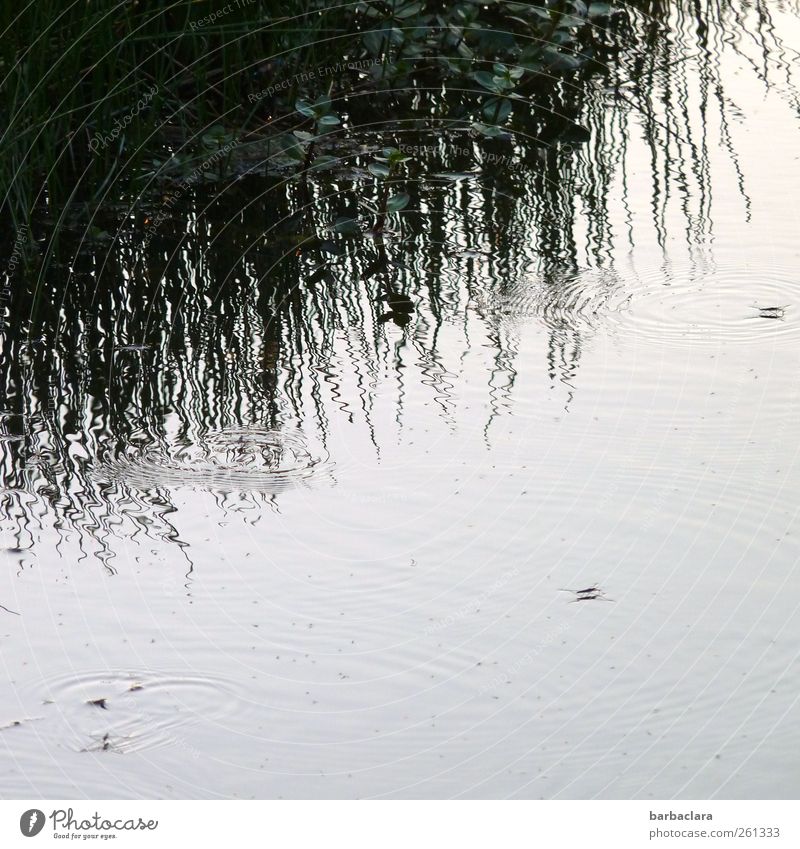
{"points": [[308, 194], [97, 96]]}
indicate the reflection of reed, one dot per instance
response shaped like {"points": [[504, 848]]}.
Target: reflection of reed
{"points": [[673, 85], [248, 312]]}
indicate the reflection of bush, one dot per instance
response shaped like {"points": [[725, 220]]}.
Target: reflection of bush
{"points": [[239, 302], [123, 81]]}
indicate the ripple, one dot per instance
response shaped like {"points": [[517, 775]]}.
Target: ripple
{"points": [[724, 305], [559, 299], [235, 459], [142, 709]]}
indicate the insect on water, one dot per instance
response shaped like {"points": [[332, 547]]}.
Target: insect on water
{"points": [[106, 744], [771, 312], [591, 593], [591, 597]]}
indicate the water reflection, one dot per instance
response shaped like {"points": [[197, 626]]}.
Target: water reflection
{"points": [[236, 459], [195, 350], [305, 453]]}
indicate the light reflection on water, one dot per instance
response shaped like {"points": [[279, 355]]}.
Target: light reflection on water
{"points": [[552, 375]]}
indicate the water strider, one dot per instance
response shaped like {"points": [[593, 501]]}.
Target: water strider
{"points": [[771, 312], [592, 593]]}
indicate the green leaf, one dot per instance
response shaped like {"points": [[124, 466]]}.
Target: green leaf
{"points": [[599, 10], [303, 136], [530, 53], [397, 157], [497, 110], [561, 61], [321, 163], [215, 136], [485, 79], [541, 14], [454, 67], [347, 226], [465, 51], [369, 11], [329, 120], [408, 11], [562, 38], [292, 149], [488, 130], [305, 109], [388, 71], [373, 40], [503, 84], [398, 202], [322, 105], [519, 20], [533, 65], [570, 21], [494, 42], [378, 169]]}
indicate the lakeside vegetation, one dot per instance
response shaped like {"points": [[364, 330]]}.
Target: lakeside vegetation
{"points": [[94, 95]]}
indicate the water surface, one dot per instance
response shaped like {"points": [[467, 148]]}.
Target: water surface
{"points": [[300, 521]]}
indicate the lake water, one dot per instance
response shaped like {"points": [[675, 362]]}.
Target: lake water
{"points": [[302, 517]]}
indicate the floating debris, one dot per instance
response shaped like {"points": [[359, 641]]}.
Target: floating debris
{"points": [[18, 722]]}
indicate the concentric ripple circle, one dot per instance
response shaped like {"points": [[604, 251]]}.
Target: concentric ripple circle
{"points": [[233, 459], [131, 711], [724, 306], [559, 299]]}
